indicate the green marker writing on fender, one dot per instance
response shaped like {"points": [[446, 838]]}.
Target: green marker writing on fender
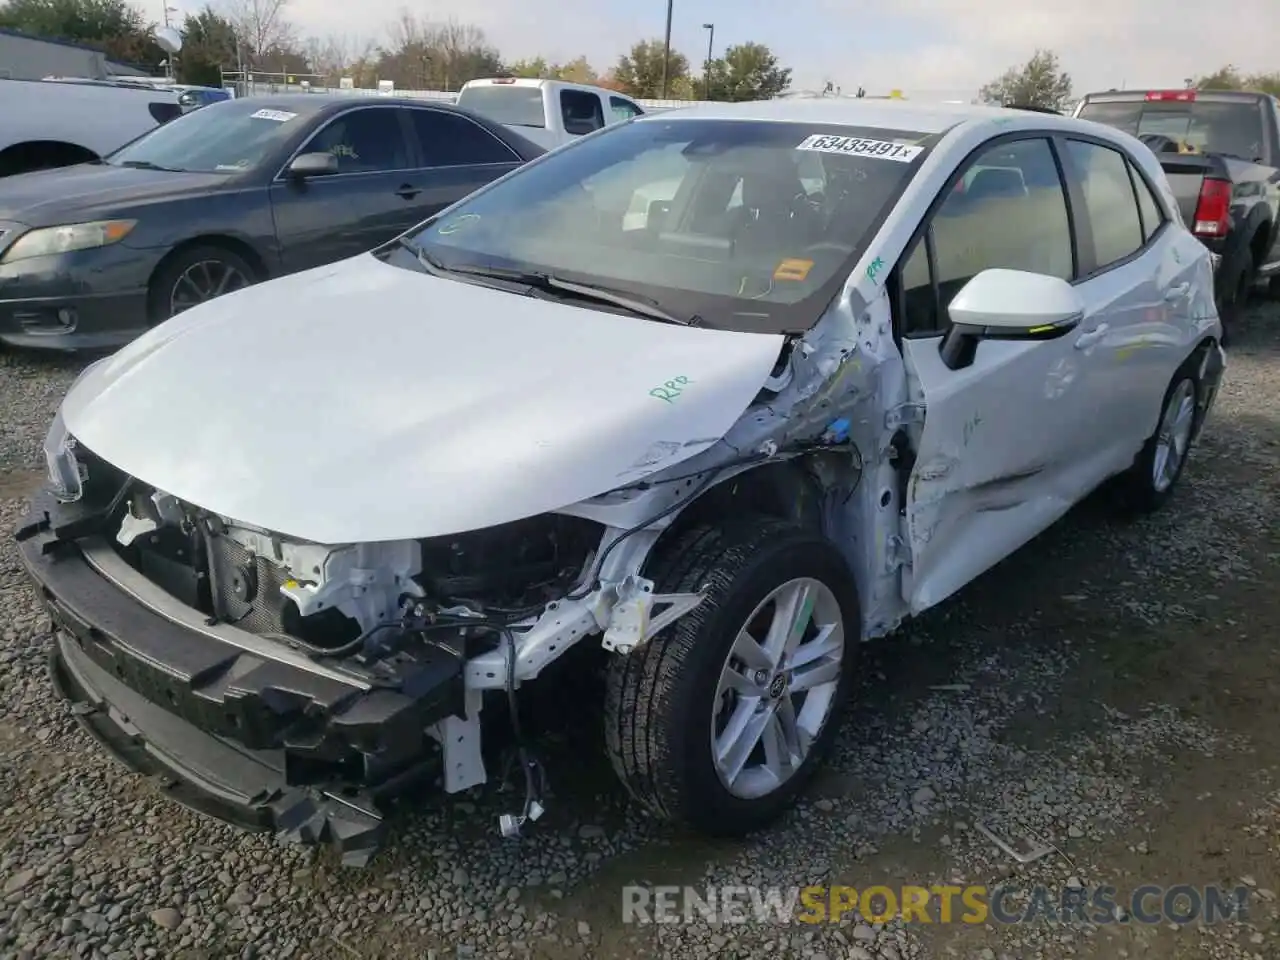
{"points": [[671, 389]]}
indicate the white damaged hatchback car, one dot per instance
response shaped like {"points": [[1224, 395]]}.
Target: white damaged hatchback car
{"points": [[837, 360]]}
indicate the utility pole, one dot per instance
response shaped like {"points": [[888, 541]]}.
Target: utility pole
{"points": [[711, 40], [666, 52]]}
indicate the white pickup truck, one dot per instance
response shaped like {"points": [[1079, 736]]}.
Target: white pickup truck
{"points": [[548, 112], [56, 124]]}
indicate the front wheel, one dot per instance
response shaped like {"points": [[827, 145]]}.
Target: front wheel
{"points": [[195, 276], [718, 722]]}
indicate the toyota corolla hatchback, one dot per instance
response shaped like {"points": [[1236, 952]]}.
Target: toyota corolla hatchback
{"points": [[722, 391]]}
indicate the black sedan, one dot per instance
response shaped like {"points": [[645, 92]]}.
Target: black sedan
{"points": [[225, 196]]}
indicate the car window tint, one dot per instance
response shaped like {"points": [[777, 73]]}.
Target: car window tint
{"points": [[448, 140], [1109, 200], [920, 304], [623, 109], [1152, 216], [1012, 213], [364, 141], [581, 111]]}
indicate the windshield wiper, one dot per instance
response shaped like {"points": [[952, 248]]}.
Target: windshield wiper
{"points": [[146, 165], [549, 283]]}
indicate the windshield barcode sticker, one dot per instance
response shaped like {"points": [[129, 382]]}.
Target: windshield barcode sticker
{"points": [[279, 116], [861, 147]]}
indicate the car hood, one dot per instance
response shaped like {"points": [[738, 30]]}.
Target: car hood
{"points": [[362, 402], [45, 198]]}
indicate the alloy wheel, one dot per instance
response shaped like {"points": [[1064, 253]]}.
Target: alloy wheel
{"points": [[1174, 436], [777, 688], [203, 281]]}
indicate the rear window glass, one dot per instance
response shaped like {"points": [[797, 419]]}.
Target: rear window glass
{"points": [[1201, 126], [508, 104]]}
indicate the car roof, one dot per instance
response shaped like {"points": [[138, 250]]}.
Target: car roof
{"points": [[888, 114], [314, 103], [322, 105]]}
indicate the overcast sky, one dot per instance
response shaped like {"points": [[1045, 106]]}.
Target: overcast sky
{"points": [[945, 47]]}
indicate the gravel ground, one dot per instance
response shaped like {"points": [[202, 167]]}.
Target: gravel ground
{"points": [[1112, 688]]}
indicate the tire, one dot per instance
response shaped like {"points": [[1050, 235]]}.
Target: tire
{"points": [[175, 287], [662, 699], [1146, 486]]}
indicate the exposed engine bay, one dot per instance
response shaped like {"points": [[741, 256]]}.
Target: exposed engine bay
{"points": [[416, 626], [354, 600]]}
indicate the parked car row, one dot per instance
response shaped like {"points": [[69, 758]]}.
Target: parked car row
{"points": [[714, 395], [232, 194], [93, 255]]}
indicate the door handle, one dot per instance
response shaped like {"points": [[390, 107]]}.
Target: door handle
{"points": [[408, 191], [1177, 292], [1087, 340]]}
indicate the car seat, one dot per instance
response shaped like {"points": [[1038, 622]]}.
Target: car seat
{"points": [[775, 215]]}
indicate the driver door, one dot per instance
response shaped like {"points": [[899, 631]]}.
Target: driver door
{"points": [[1003, 450], [367, 202]]}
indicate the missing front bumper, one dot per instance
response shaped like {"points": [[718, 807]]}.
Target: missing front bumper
{"points": [[259, 738], [205, 773]]}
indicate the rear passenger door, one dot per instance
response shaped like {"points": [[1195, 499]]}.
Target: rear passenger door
{"points": [[1008, 443], [323, 219], [1136, 278], [456, 156]]}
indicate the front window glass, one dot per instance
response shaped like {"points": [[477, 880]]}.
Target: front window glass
{"points": [[748, 225], [225, 137], [1110, 200], [1009, 210]]}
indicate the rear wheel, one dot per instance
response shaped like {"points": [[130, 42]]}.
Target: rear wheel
{"points": [[1150, 482], [195, 276], [718, 722]]}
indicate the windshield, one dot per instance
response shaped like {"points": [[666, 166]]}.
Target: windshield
{"points": [[1200, 126], [516, 105], [225, 137], [747, 225]]}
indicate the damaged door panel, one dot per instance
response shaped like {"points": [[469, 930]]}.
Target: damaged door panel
{"points": [[998, 459]]}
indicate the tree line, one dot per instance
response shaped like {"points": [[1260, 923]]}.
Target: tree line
{"points": [[417, 53], [1041, 82]]}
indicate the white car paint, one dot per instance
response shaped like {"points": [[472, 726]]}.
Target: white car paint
{"points": [[426, 425], [360, 402], [96, 117], [950, 544]]}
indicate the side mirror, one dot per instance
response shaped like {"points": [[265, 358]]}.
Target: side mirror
{"points": [[1003, 304], [319, 164]]}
